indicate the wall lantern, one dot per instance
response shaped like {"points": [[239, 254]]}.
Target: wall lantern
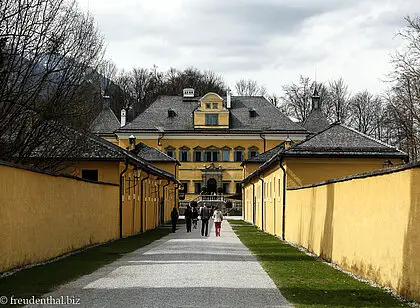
{"points": [[288, 143], [387, 163], [131, 139]]}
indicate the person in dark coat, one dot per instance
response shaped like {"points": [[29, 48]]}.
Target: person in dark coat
{"points": [[174, 218], [205, 216], [194, 217], [188, 217]]}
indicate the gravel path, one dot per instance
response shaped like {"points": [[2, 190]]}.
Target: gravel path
{"points": [[180, 270]]}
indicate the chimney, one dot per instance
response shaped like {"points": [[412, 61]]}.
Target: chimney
{"points": [[188, 93], [228, 99], [316, 100], [123, 117]]}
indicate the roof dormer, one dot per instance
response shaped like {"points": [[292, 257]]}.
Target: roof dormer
{"points": [[171, 113], [211, 112], [252, 112]]}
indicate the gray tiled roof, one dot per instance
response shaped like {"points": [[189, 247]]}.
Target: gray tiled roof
{"points": [[263, 157], [339, 139], [101, 149], [105, 123], [69, 144], [151, 154], [316, 121], [268, 118], [335, 141]]}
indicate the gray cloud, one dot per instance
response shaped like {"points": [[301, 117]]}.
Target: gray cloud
{"points": [[258, 38]]}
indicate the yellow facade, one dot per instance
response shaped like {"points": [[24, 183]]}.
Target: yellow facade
{"points": [[266, 213], [147, 201], [210, 150], [249, 167], [108, 171], [44, 216], [170, 167], [191, 172], [150, 211]]}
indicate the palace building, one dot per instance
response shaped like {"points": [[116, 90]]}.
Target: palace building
{"points": [[219, 141], [210, 136]]}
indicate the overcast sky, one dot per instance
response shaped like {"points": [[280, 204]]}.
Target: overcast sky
{"points": [[271, 41]]}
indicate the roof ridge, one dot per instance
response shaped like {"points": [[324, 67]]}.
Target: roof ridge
{"points": [[113, 113], [276, 151], [313, 111], [103, 115], [372, 138], [120, 150], [314, 135]]}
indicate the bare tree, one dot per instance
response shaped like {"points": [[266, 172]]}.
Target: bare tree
{"points": [[49, 50], [248, 87], [142, 80], [175, 81], [212, 82], [124, 81], [275, 100], [404, 117], [366, 113], [403, 99], [337, 101], [297, 98], [107, 72]]}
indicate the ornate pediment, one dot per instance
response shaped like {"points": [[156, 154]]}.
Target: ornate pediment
{"points": [[212, 167]]}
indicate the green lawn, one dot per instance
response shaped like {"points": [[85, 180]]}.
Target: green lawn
{"points": [[44, 278], [304, 281]]}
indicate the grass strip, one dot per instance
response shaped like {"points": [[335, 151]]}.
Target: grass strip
{"points": [[42, 279], [303, 280]]}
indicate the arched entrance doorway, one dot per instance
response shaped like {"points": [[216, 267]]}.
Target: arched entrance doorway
{"points": [[211, 186]]}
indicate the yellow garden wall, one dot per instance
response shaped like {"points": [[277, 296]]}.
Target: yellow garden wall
{"points": [[370, 226], [307, 171], [43, 216], [299, 171]]}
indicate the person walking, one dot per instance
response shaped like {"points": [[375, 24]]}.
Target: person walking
{"points": [[174, 218], [218, 218], [205, 216], [194, 217], [188, 217]]}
